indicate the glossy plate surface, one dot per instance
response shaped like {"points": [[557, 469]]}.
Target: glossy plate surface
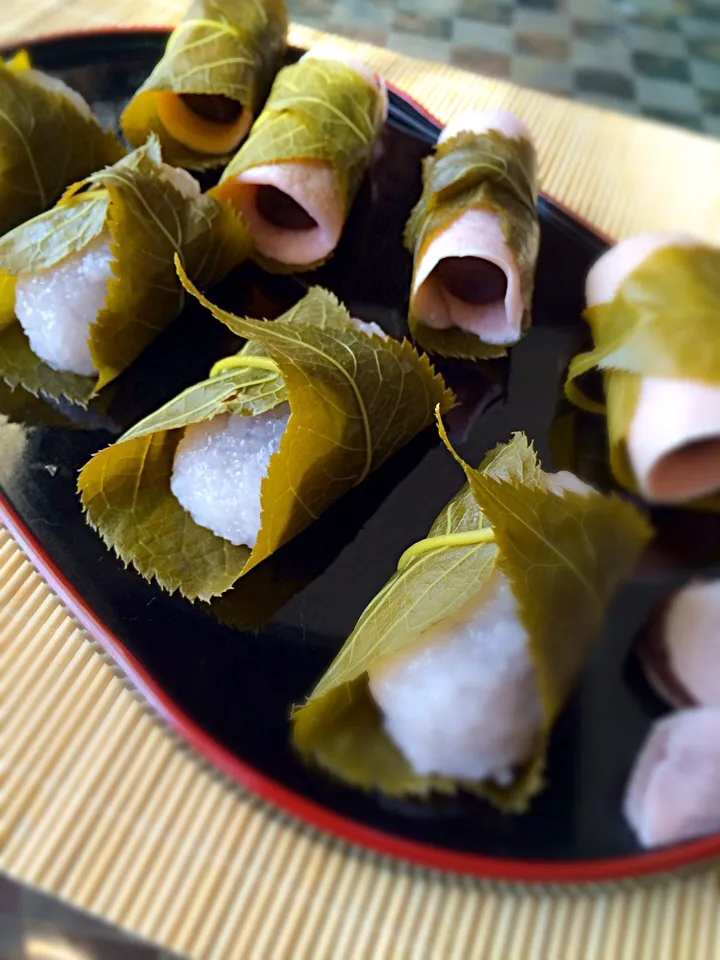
{"points": [[226, 675]]}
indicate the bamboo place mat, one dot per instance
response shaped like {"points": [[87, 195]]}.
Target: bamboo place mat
{"points": [[103, 807]]}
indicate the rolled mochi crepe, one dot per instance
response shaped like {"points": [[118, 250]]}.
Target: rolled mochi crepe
{"points": [[681, 656], [474, 236], [654, 309], [673, 793], [202, 96], [455, 673], [92, 281], [50, 139], [220, 464], [295, 178], [217, 480]]}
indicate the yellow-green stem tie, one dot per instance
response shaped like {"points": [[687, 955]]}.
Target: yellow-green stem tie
{"points": [[464, 539], [243, 360]]}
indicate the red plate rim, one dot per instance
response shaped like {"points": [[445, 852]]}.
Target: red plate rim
{"points": [[425, 855]]}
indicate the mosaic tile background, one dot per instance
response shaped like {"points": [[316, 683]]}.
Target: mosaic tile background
{"points": [[655, 58]]}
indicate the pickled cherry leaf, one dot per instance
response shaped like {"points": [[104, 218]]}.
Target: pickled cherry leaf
{"points": [[48, 142], [354, 399], [564, 549], [230, 48], [318, 110], [149, 220], [638, 334], [470, 171], [45, 240], [125, 488], [21, 368]]}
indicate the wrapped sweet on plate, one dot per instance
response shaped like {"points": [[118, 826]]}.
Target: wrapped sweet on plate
{"points": [[85, 287], [203, 490], [674, 790], [474, 236], [49, 140], [295, 178], [680, 652], [654, 311], [203, 95], [457, 670]]}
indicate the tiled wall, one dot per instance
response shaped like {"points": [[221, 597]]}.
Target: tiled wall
{"points": [[658, 58]]}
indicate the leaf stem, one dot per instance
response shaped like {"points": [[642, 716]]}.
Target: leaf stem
{"points": [[463, 539], [239, 361]]}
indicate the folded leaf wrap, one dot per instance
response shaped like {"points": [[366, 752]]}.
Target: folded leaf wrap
{"points": [[477, 171], [227, 48], [49, 140], [662, 322], [354, 400], [564, 555], [150, 219], [318, 111]]}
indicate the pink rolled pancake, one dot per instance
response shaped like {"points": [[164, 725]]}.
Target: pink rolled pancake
{"points": [[674, 790], [467, 277], [295, 209], [674, 440], [683, 662]]}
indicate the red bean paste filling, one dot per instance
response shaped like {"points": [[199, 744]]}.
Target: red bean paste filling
{"points": [[281, 210], [212, 106], [472, 280]]}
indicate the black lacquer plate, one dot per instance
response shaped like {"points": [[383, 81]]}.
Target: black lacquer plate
{"points": [[225, 675]]}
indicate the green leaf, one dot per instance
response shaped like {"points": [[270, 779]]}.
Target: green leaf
{"points": [[453, 342], [45, 240], [47, 144], [317, 110], [245, 390], [150, 222], [18, 62], [564, 555], [477, 171], [20, 367], [19, 406], [354, 400], [7, 300], [125, 488], [231, 48], [638, 334]]}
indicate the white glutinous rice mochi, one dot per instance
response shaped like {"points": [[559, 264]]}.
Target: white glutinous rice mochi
{"points": [[463, 701], [56, 306], [219, 468], [674, 790]]}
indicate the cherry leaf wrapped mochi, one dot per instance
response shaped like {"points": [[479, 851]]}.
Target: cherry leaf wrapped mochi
{"points": [[208, 87], [86, 286], [296, 177], [654, 312], [204, 489], [474, 235], [457, 670]]}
